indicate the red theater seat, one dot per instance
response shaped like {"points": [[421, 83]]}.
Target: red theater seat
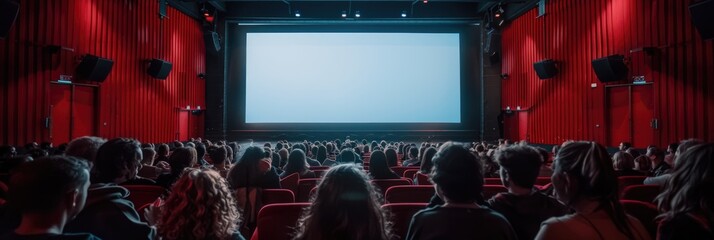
{"points": [[422, 179], [644, 193], [290, 182], [409, 173], [492, 181], [140, 195], [409, 194], [384, 184], [403, 213], [542, 181], [643, 211], [624, 181], [304, 188], [271, 196], [277, 221], [491, 190], [400, 170]]}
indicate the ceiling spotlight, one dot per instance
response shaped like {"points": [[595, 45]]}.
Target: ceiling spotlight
{"points": [[426, 1], [297, 13], [357, 14], [499, 12], [404, 13], [344, 14]]}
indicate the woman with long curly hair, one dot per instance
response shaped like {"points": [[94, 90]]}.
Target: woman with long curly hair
{"points": [[346, 206], [201, 206], [584, 180], [688, 198]]}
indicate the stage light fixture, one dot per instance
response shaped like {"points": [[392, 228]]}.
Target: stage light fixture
{"points": [[357, 14], [344, 14], [297, 13], [404, 13]]}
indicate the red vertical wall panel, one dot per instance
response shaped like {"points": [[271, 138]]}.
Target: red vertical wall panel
{"points": [[574, 32], [131, 103]]}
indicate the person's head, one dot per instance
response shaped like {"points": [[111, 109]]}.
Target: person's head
{"points": [[622, 160], [296, 162], [691, 187], [655, 154], [7, 151], [391, 157], [520, 165], [201, 206], [378, 166], [200, 150], [413, 152], [148, 156], [85, 147], [249, 166], [346, 156], [672, 148], [633, 152], [321, 153], [284, 154], [49, 186], [313, 151], [162, 150], [267, 145], [218, 154], [582, 172], [642, 163], [457, 174], [118, 160], [182, 158], [555, 150], [625, 145], [426, 163], [345, 206], [38, 153], [278, 146], [683, 147]]}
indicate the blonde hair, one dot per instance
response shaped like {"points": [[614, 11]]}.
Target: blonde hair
{"points": [[201, 206]]}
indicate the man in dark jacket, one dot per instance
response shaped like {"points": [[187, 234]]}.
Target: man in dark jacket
{"points": [[524, 207], [108, 213]]}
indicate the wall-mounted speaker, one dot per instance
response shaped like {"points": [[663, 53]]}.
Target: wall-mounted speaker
{"points": [[545, 69], [611, 68], [159, 69], [703, 18], [213, 41], [94, 68], [8, 14], [493, 41]]}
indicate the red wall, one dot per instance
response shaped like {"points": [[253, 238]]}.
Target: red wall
{"points": [[574, 32], [131, 103]]}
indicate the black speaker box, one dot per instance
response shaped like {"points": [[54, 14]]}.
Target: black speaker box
{"points": [[213, 41], [8, 14], [545, 69], [159, 68], [611, 68], [703, 18], [493, 41], [94, 68]]}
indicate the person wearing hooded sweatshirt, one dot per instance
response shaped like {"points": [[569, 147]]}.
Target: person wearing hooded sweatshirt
{"points": [[524, 207], [108, 213]]}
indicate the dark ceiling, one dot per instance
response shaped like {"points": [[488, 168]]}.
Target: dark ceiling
{"points": [[368, 9]]}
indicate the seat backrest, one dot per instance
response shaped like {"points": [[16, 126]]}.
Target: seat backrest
{"points": [[644, 193], [277, 221], [319, 167], [402, 215], [409, 173], [400, 170], [290, 182], [143, 194], [422, 179], [304, 187], [643, 211], [624, 181], [384, 184], [491, 190], [542, 181], [271, 196], [409, 194], [319, 173], [492, 181]]}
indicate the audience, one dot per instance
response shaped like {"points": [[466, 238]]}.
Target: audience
{"points": [[656, 156], [624, 164], [426, 159], [48, 192], [297, 164], [413, 158], [688, 198], [682, 147], [391, 155], [108, 213], [378, 167], [85, 147], [345, 206], [458, 181], [585, 181], [201, 206], [524, 206], [180, 159], [218, 158]]}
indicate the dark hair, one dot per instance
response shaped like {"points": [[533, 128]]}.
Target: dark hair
{"points": [[426, 160], [182, 158], [246, 171], [114, 157], [200, 150], [148, 156], [378, 166], [521, 163], [218, 154], [346, 156], [413, 152], [391, 157], [321, 154], [683, 147], [162, 150], [691, 187], [590, 165], [626, 145], [458, 174], [622, 160], [296, 162], [345, 206], [39, 186]]}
